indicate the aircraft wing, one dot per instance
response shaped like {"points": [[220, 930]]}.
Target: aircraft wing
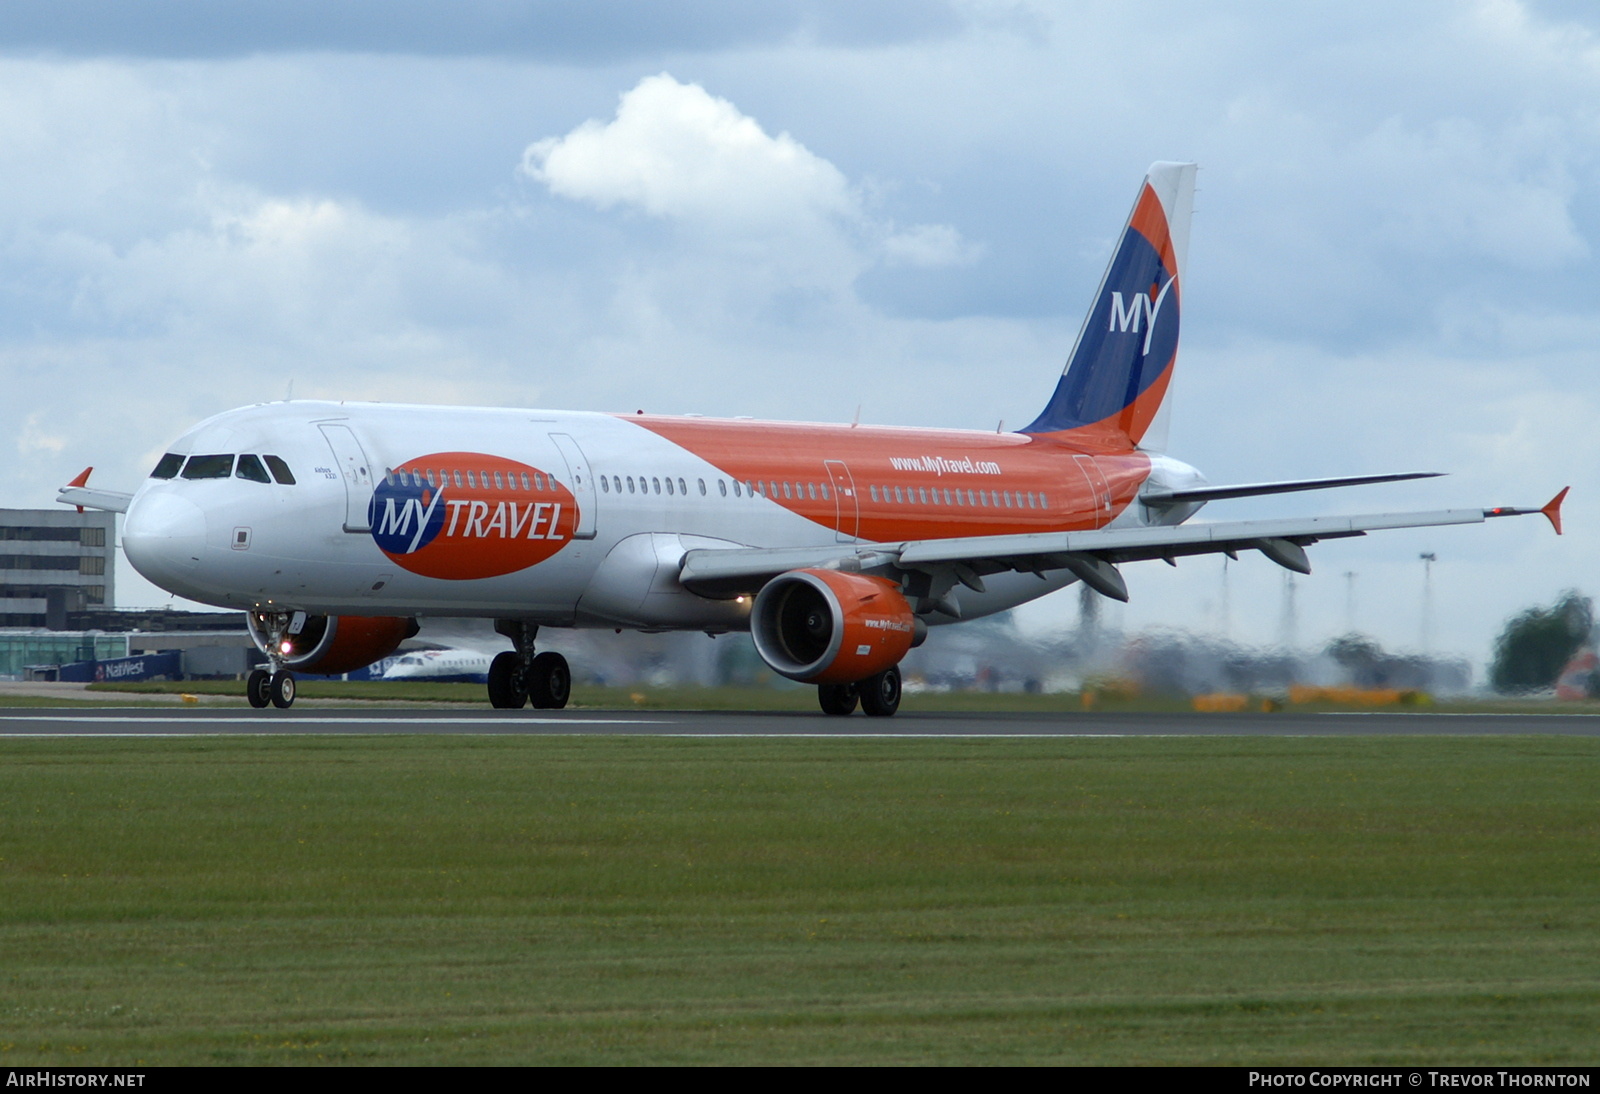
{"points": [[85, 498], [1091, 555], [79, 493]]}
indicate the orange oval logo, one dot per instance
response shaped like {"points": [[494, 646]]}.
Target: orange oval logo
{"points": [[465, 515]]}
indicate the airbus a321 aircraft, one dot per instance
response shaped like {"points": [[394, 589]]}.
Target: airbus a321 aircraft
{"points": [[337, 526]]}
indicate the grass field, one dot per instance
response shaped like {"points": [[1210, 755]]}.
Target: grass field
{"points": [[638, 900]]}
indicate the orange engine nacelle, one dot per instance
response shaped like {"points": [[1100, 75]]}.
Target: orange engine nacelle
{"points": [[331, 644], [827, 627]]}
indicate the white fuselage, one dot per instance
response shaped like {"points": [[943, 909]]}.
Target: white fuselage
{"points": [[582, 519]]}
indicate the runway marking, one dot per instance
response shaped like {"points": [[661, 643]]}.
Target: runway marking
{"points": [[327, 719], [1453, 714], [758, 736]]}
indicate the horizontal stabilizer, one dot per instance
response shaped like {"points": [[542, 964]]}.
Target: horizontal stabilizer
{"points": [[1257, 489]]}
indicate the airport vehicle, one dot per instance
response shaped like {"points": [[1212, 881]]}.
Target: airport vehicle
{"points": [[336, 526]]}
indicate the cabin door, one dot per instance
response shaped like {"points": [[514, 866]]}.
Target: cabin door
{"points": [[847, 507], [355, 470]]}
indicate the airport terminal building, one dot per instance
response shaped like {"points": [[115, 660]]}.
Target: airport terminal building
{"points": [[54, 562]]}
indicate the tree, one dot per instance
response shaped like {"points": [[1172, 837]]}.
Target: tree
{"points": [[1361, 658], [1538, 643]]}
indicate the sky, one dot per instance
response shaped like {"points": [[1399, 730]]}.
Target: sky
{"points": [[806, 210]]}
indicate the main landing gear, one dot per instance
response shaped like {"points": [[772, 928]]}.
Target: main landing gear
{"points": [[521, 676], [878, 695], [273, 685]]}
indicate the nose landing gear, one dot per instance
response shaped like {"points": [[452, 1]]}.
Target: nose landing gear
{"points": [[273, 685], [521, 676]]}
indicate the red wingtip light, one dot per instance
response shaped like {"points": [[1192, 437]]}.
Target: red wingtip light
{"points": [[1552, 509]]}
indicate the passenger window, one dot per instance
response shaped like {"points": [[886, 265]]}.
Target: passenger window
{"points": [[873, 489], [526, 484], [208, 467], [630, 484], [786, 490], [167, 467], [499, 483], [458, 476], [280, 470], [825, 492], [605, 485], [702, 487], [249, 467], [656, 483], [722, 487], [684, 489]]}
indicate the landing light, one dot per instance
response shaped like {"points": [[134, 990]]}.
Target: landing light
{"points": [[286, 646]]}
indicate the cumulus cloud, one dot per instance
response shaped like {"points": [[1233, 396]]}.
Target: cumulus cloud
{"points": [[674, 150]]}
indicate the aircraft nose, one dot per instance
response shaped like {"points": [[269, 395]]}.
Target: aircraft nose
{"points": [[164, 537]]}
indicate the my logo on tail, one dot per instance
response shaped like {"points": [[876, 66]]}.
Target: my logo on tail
{"points": [[1144, 306]]}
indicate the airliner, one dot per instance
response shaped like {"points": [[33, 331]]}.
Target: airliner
{"points": [[441, 666], [336, 526]]}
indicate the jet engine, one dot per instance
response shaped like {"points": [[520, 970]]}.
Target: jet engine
{"points": [[331, 644], [827, 627]]}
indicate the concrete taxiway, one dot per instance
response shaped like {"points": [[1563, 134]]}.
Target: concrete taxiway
{"points": [[125, 722]]}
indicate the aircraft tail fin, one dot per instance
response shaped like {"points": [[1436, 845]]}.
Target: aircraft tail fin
{"points": [[1116, 380]]}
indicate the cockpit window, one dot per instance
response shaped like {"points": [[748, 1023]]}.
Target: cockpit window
{"points": [[208, 467], [280, 470], [249, 467], [167, 467]]}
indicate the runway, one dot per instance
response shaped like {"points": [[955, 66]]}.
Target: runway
{"points": [[145, 722]]}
